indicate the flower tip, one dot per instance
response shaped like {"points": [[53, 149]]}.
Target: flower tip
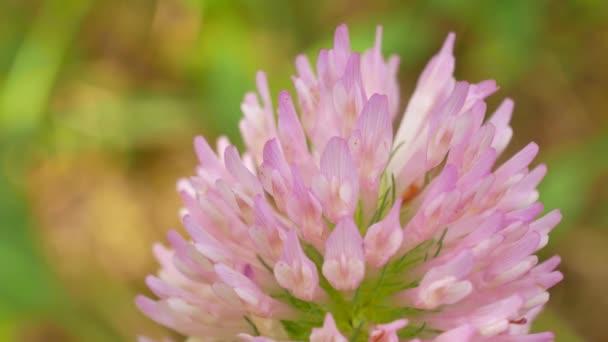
{"points": [[203, 151], [245, 337], [559, 275], [231, 151], [378, 41], [260, 77], [341, 38], [151, 280], [544, 337], [558, 259], [342, 29], [541, 169], [199, 141], [558, 215], [378, 100], [144, 303], [448, 45], [329, 331], [533, 147], [286, 107], [387, 332], [509, 103], [284, 97]]}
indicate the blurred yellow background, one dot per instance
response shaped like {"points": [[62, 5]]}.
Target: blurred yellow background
{"points": [[100, 100]]}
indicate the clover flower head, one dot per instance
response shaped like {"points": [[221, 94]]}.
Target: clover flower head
{"points": [[330, 227]]}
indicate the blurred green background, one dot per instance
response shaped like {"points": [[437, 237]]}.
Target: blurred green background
{"points": [[100, 100]]}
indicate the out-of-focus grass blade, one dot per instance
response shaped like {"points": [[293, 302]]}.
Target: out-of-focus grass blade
{"points": [[31, 77], [28, 286]]}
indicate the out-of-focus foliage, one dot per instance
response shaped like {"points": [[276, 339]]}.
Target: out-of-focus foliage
{"points": [[99, 101]]}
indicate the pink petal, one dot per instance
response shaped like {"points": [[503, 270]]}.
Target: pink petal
{"points": [[329, 331], [434, 86], [266, 232], [545, 224], [291, 133], [500, 119], [446, 284], [348, 96], [338, 185], [237, 169], [384, 238], [274, 173], [387, 332], [295, 271], [380, 76], [518, 162], [344, 264], [372, 139], [258, 124], [305, 210]]}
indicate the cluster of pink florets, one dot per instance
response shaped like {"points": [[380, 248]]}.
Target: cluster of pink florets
{"points": [[332, 228]]}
